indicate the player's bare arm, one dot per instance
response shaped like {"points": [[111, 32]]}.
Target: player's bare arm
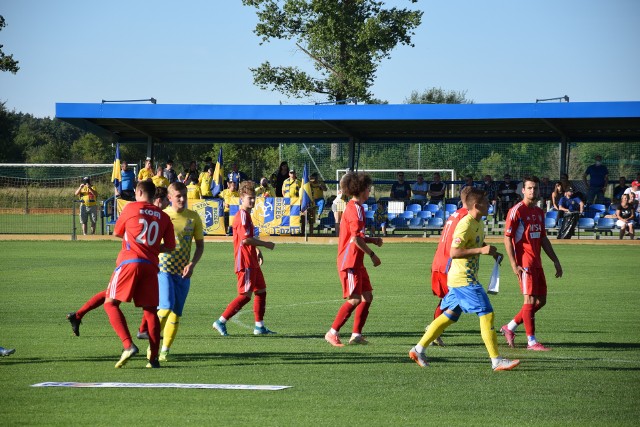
{"points": [[252, 241], [362, 245], [548, 249], [374, 240], [517, 270], [187, 271], [469, 252]]}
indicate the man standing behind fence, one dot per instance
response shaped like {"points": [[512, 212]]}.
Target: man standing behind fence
{"points": [[89, 206]]}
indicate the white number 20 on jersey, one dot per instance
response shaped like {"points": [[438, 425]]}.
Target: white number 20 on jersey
{"points": [[149, 233]]}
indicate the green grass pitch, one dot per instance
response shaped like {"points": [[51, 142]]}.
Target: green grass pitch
{"points": [[591, 377]]}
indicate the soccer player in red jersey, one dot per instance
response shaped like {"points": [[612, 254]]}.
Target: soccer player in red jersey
{"points": [[352, 246], [524, 236], [248, 260], [145, 231], [75, 318], [442, 258]]}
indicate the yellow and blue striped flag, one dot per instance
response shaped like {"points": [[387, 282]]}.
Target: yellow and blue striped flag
{"points": [[217, 183], [116, 174], [305, 191]]}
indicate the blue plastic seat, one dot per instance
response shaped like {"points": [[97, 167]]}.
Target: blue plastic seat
{"points": [[450, 207], [424, 214], [416, 223], [431, 208], [415, 207], [550, 223], [552, 214], [407, 215], [435, 222]]}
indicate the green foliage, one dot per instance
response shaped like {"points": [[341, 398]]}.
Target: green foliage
{"points": [[590, 378], [345, 39], [436, 95], [7, 63]]}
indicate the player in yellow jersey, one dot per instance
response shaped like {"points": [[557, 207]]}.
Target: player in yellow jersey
{"points": [[176, 267], [465, 291], [159, 180]]}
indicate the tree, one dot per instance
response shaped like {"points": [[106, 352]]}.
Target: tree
{"points": [[7, 63], [437, 95], [346, 40]]}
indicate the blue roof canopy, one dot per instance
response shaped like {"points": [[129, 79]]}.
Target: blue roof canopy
{"points": [[509, 123]]}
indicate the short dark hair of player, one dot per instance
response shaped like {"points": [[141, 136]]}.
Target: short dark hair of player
{"points": [[475, 196], [530, 178], [247, 187], [177, 186], [354, 183], [161, 193], [148, 188]]}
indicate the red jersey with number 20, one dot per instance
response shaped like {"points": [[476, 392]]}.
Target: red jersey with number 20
{"points": [[143, 228], [351, 225], [442, 258], [525, 227]]}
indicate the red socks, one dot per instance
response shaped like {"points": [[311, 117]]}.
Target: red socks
{"points": [[343, 315], [118, 323], [259, 306], [528, 319], [362, 311], [94, 302], [235, 306], [150, 316]]}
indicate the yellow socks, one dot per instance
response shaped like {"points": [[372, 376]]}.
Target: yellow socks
{"points": [[435, 329], [170, 330], [489, 335]]}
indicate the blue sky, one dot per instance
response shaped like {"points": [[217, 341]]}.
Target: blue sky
{"points": [[200, 51]]}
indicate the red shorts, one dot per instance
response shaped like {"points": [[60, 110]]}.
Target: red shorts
{"points": [[137, 281], [533, 282], [250, 280], [439, 284], [354, 281]]}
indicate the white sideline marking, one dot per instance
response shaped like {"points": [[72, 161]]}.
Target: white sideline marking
{"points": [[163, 385]]}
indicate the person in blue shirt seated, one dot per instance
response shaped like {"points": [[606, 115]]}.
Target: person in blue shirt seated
{"points": [[127, 183], [569, 203]]}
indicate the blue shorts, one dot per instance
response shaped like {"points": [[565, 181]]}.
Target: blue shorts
{"points": [[173, 290], [470, 298]]}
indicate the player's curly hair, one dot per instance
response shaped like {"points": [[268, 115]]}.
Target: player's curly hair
{"points": [[247, 187], [354, 183]]}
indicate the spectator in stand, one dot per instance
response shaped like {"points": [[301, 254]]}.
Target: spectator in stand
{"points": [[556, 195], [437, 190], [468, 182], [159, 179], [625, 215], [208, 161], [339, 204], [170, 173], [546, 188], [598, 181], [571, 203], [619, 189], [279, 177], [318, 187], [507, 195], [419, 189], [291, 187], [235, 175], [128, 182], [190, 173], [205, 180], [89, 206], [491, 188], [400, 190], [193, 189], [147, 172], [635, 189], [227, 195], [263, 190]]}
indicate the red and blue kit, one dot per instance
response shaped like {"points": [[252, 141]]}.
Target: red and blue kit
{"points": [[350, 260], [144, 228], [247, 268]]}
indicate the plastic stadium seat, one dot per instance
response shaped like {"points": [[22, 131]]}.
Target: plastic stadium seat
{"points": [[431, 208], [328, 222], [424, 214], [586, 224], [552, 214], [450, 207], [598, 207], [550, 223], [399, 222], [435, 223], [413, 208], [606, 223], [407, 215], [416, 223]]}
